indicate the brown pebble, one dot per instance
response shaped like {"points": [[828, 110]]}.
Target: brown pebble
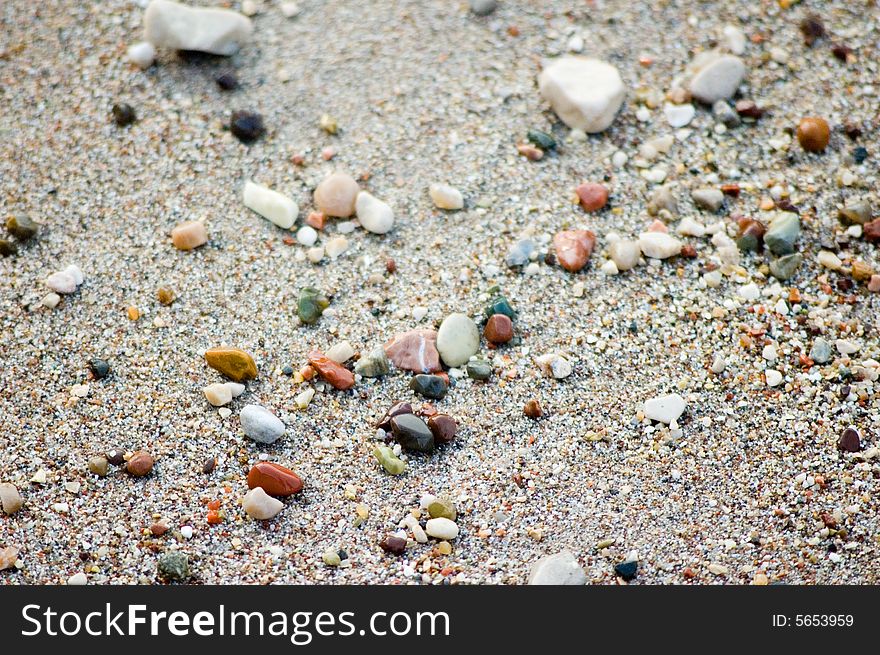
{"points": [[443, 427], [165, 296], [234, 363], [812, 29], [139, 464], [394, 545], [592, 196], [189, 235], [813, 134], [533, 409], [209, 465], [688, 251], [499, 329], [390, 265], [748, 109], [395, 410], [115, 456], [871, 230], [10, 499], [850, 441], [336, 374], [158, 529], [530, 152]]}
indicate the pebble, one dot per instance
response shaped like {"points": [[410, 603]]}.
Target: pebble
{"points": [[98, 465], [274, 479], [773, 377], [708, 198], [227, 81], [558, 569], [520, 253], [429, 386], [337, 375], [627, 570], [443, 427], [77, 580], [374, 215], [442, 508], [592, 196], [813, 134], [330, 557], [412, 433], [261, 506], [141, 54], [189, 235], [573, 248], [393, 544], [174, 565], [478, 369], [289, 9], [850, 441], [500, 305], [786, 266], [307, 235], [718, 365], [260, 424], [221, 393], [498, 329], [10, 499], [271, 205], [532, 409], [446, 197], [665, 409], [336, 195], [123, 114], [65, 281], [734, 39], [389, 461], [585, 93], [441, 528], [22, 226], [717, 77], [304, 399], [853, 213], [139, 464], [310, 305], [541, 139], [659, 245], [750, 235], [234, 363], [625, 254], [483, 7], [679, 115], [374, 364], [414, 351], [341, 352], [246, 126], [8, 248], [8, 557], [690, 227], [725, 114], [457, 339], [554, 365], [177, 27], [782, 233]]}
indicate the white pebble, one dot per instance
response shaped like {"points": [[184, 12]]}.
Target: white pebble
{"points": [[141, 54], [679, 115], [665, 409], [442, 528], [307, 235], [374, 215], [259, 505], [585, 93], [445, 196], [774, 377], [340, 352], [271, 205]]}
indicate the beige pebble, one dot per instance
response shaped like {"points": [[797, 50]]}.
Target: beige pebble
{"points": [[336, 195], [189, 235], [10, 499], [259, 505]]}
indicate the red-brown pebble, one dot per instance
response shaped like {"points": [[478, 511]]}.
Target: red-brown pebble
{"points": [[336, 374], [592, 196], [393, 545], [849, 441], [573, 248], [139, 464], [871, 231], [533, 409], [275, 479], [499, 329], [443, 427], [813, 134]]}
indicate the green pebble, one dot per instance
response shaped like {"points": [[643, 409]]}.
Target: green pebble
{"points": [[786, 266], [174, 566], [98, 466], [311, 305], [500, 305], [541, 139], [782, 233], [442, 508], [479, 369], [331, 557], [389, 461]]}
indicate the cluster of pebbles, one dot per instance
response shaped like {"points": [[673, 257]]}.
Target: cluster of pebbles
{"points": [[610, 317]]}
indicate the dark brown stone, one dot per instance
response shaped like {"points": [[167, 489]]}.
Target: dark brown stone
{"points": [[395, 410], [443, 427], [499, 329], [393, 545], [850, 441]]}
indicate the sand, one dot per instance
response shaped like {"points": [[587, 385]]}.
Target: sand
{"points": [[425, 92]]}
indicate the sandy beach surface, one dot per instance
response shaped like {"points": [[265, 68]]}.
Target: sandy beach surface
{"points": [[749, 485]]}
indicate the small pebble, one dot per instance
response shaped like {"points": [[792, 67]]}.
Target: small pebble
{"points": [[123, 114], [246, 126], [813, 134], [139, 464], [259, 505], [446, 197], [189, 235], [260, 424]]}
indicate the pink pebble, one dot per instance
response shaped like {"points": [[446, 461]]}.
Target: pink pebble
{"points": [[874, 283], [592, 196], [657, 226]]}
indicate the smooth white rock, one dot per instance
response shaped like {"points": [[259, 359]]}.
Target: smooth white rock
{"points": [[717, 78], [718, 365], [679, 115], [77, 580], [625, 254], [271, 205], [665, 409], [374, 215], [260, 505], [289, 9], [774, 377], [442, 528], [557, 569], [749, 291], [445, 197], [177, 27], [218, 394], [691, 228], [457, 339], [609, 267], [260, 424], [307, 235], [340, 352], [734, 39], [659, 245], [141, 54], [65, 281], [585, 93]]}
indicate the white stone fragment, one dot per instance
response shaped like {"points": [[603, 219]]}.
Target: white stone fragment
{"points": [[141, 54], [665, 409], [340, 352], [374, 215], [77, 580], [177, 27], [271, 205], [260, 505], [585, 93], [446, 197], [659, 245], [773, 377], [717, 77], [260, 424], [625, 254], [554, 365], [557, 569], [679, 115], [690, 227], [442, 528]]}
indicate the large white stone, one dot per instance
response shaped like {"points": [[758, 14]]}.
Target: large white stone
{"points": [[585, 93], [260, 505], [457, 339], [374, 215], [625, 254], [260, 424], [178, 27], [717, 77], [557, 569], [270, 204], [659, 245], [665, 409]]}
